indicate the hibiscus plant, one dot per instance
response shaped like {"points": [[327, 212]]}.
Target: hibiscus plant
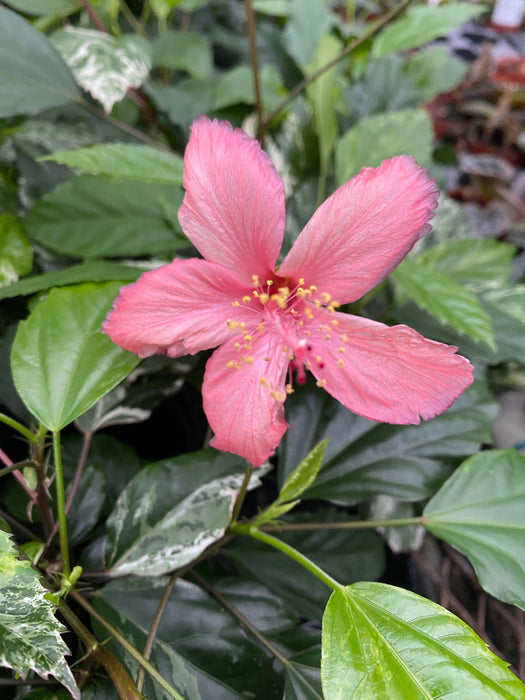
{"points": [[221, 423]]}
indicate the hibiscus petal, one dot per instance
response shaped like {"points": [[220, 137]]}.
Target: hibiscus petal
{"points": [[233, 209], [387, 374], [244, 405], [360, 233], [179, 308]]}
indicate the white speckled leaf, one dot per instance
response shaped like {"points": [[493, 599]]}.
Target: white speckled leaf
{"points": [[172, 511], [104, 66], [29, 632]]}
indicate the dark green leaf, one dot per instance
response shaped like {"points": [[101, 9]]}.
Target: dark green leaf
{"points": [[127, 160], [364, 458], [43, 7], [93, 271], [345, 555], [236, 87], [481, 511], [87, 506], [172, 511], [421, 24], [33, 76], [434, 71], [438, 294], [61, 362], [29, 632], [186, 51], [185, 101], [381, 136], [308, 21], [16, 253], [93, 217]]}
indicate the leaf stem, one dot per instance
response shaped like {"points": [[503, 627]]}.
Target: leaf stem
{"points": [[254, 62], [61, 508], [294, 92], [11, 468], [242, 493], [285, 548], [86, 444], [344, 525], [127, 646], [12, 423]]}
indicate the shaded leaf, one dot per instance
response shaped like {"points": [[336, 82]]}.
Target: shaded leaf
{"points": [[33, 76], [185, 101], [92, 216], [437, 293], [16, 253], [434, 71], [235, 86], [29, 632], [382, 641], [135, 161], [172, 511], [308, 21], [365, 458], [422, 24], [481, 511], [186, 51], [381, 136], [61, 362], [43, 7], [103, 65]]}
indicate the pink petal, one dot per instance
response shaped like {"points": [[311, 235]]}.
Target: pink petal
{"points": [[364, 229], [179, 308], [233, 209], [244, 406], [388, 374]]}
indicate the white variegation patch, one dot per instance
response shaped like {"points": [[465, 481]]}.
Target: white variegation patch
{"points": [[103, 65]]}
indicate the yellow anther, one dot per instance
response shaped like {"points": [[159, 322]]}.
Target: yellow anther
{"points": [[301, 280], [230, 364], [291, 356], [269, 282], [318, 359], [308, 313], [289, 389], [327, 336], [335, 322], [321, 383], [237, 346], [293, 312], [308, 333], [325, 297], [313, 288], [345, 338], [247, 336], [255, 280], [248, 360], [263, 298], [248, 346], [317, 304], [246, 299], [278, 395], [266, 358], [264, 382], [342, 348], [260, 328], [235, 303], [340, 362], [308, 365]]}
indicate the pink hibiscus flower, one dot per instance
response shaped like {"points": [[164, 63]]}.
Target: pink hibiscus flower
{"points": [[273, 323]]}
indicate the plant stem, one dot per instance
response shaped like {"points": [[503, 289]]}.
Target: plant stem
{"points": [[344, 525], [86, 444], [127, 646], [61, 508], [12, 423], [11, 468], [301, 559], [294, 92], [254, 62], [154, 628], [242, 493]]}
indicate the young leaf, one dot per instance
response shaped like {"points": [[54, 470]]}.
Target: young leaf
{"points": [[304, 474], [380, 641], [103, 65], [33, 77], [434, 71], [422, 24], [186, 51], [93, 217], [16, 253], [29, 632], [128, 160], [481, 511], [436, 293], [172, 511], [61, 362], [381, 136]]}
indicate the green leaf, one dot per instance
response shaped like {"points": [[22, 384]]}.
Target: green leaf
{"points": [[422, 24], [29, 632], [125, 160], [172, 511], [381, 136], [345, 555], [103, 65], [92, 216], [186, 51], [481, 511], [16, 253], [304, 474], [93, 271], [380, 641], [434, 71], [302, 679], [185, 101], [476, 263], [364, 458], [43, 7], [308, 21], [235, 86], [437, 293], [33, 76], [61, 362]]}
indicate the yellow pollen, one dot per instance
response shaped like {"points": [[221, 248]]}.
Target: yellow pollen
{"points": [[264, 382], [308, 313], [269, 282], [308, 365], [289, 389], [246, 299], [317, 304], [308, 333], [290, 356], [235, 303], [266, 358], [263, 298], [255, 280], [345, 338], [293, 312], [237, 346], [278, 395], [230, 364], [340, 362], [321, 383], [327, 336], [325, 297], [318, 359], [313, 288], [335, 322], [301, 280], [248, 360], [342, 348], [248, 346], [260, 328]]}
